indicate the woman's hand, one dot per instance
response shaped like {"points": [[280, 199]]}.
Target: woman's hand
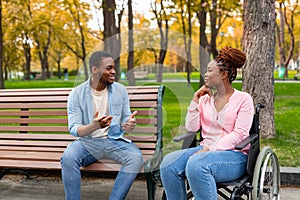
{"points": [[202, 150], [202, 91]]}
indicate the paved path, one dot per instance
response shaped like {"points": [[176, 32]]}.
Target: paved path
{"points": [[41, 188]]}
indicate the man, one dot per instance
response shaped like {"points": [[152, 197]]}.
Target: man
{"points": [[98, 114]]}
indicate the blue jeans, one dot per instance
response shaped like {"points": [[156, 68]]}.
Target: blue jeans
{"points": [[202, 171], [84, 151]]}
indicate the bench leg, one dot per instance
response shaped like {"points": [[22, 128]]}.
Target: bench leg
{"points": [[22, 171], [2, 174], [151, 186]]}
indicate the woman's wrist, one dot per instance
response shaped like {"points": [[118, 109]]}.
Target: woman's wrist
{"points": [[206, 148]]}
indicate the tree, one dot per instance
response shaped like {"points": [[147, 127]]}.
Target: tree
{"points": [[1, 49], [187, 36], [259, 46], [282, 44], [24, 30], [43, 37], [130, 59], [76, 10], [112, 40], [218, 12], [162, 20]]}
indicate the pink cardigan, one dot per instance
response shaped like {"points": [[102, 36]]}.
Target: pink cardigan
{"points": [[224, 129]]}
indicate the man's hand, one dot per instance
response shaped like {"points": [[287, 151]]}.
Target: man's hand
{"points": [[98, 122], [103, 121], [130, 124]]}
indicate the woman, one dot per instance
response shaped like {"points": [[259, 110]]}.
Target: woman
{"points": [[225, 117]]}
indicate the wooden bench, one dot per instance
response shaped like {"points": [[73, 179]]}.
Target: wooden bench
{"points": [[140, 74], [34, 131], [297, 76]]}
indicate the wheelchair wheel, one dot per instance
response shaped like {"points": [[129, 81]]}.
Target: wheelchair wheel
{"points": [[189, 195], [266, 177]]}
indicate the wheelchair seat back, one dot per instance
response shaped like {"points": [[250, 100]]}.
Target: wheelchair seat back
{"points": [[255, 145]]}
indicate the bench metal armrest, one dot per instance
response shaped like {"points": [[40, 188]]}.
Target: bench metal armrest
{"points": [[246, 141]]}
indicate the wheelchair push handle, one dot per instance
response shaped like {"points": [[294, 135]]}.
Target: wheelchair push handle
{"points": [[258, 107]]}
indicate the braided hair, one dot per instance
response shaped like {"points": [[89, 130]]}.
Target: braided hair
{"points": [[229, 59]]}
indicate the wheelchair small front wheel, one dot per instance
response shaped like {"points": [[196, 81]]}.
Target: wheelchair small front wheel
{"points": [[266, 177]]}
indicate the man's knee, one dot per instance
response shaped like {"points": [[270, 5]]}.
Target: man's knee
{"points": [[68, 159], [138, 159]]}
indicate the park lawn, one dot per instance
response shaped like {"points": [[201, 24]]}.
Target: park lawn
{"points": [[177, 98]]}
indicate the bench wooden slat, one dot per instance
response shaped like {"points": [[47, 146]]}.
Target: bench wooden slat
{"points": [[147, 112], [56, 137], [144, 130], [34, 120], [34, 143], [34, 99], [33, 105], [34, 113], [34, 93], [146, 120], [46, 165], [39, 149], [42, 156], [28, 155], [143, 97], [145, 152], [35, 128], [29, 164], [58, 144], [143, 104], [61, 120], [65, 137]]}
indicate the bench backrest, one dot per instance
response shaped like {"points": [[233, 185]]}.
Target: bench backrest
{"points": [[42, 112]]}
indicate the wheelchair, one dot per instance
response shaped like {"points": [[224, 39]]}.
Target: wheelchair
{"points": [[262, 178]]}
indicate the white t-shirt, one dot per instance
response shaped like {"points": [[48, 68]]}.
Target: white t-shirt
{"points": [[100, 103]]}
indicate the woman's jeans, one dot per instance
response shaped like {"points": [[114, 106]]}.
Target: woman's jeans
{"points": [[86, 151], [202, 170]]}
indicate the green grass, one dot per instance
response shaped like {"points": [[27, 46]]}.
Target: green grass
{"points": [[177, 98], [50, 83], [196, 75]]}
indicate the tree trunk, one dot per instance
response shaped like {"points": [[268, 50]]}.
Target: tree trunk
{"points": [[43, 55], [203, 53], [111, 34], [130, 59], [187, 41], [281, 41], [285, 54], [214, 28], [259, 46], [2, 85], [164, 38], [161, 16], [27, 53]]}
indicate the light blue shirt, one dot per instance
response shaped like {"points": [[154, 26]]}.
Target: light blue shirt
{"points": [[81, 111]]}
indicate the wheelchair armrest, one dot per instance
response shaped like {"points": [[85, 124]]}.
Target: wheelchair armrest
{"points": [[189, 135], [246, 141], [189, 140]]}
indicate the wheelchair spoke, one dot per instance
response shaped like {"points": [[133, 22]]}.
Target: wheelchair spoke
{"points": [[266, 181]]}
